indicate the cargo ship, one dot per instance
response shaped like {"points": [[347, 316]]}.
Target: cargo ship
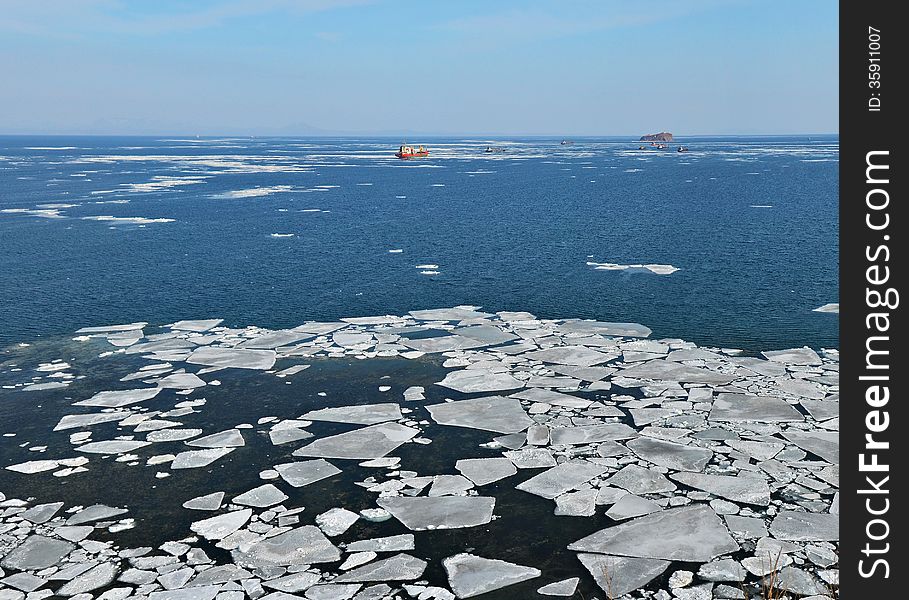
{"points": [[406, 151]]}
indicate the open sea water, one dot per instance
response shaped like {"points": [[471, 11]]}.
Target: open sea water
{"points": [[275, 231]]}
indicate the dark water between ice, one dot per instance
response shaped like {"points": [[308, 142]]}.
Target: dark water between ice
{"points": [[750, 222]]}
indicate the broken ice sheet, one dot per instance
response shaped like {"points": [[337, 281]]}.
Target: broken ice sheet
{"points": [[669, 454], [401, 567], [194, 459], [737, 408], [578, 356], [477, 380], [444, 512], [221, 526], [805, 526], [458, 313], [36, 552], [261, 497], [587, 434], [629, 506], [822, 443], [619, 575], [231, 438], [374, 441], [688, 534], [87, 420], [665, 370], [361, 414], [198, 326], [562, 478], [302, 545], [302, 473], [336, 521], [240, 358], [207, 502], [489, 413], [112, 446], [745, 487], [483, 471], [470, 575], [120, 398]]}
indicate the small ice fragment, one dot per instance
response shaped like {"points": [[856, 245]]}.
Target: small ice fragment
{"points": [[828, 308]]}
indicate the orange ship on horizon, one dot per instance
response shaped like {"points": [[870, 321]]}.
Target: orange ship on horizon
{"points": [[406, 151]]}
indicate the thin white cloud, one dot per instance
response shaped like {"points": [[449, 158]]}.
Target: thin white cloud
{"points": [[576, 18]]}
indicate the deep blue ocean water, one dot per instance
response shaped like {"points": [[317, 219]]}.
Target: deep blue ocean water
{"points": [[751, 224]]}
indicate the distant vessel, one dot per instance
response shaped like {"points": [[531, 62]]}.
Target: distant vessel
{"points": [[493, 149], [682, 149], [567, 143], [406, 151]]}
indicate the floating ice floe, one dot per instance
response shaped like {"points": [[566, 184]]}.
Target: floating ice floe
{"points": [[194, 459], [471, 381], [828, 308], [656, 269], [301, 545], [129, 220], [256, 192], [120, 398], [442, 512], [688, 534], [233, 357], [374, 441], [362, 414], [470, 575], [490, 413]]}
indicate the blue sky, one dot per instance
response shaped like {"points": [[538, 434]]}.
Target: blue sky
{"points": [[536, 67]]}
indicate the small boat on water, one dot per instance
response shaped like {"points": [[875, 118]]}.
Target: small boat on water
{"points": [[494, 149], [406, 151], [567, 143], [682, 149]]}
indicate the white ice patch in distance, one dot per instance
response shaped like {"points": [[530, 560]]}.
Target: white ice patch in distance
{"points": [[128, 220], [830, 307], [653, 268], [256, 192], [163, 182], [49, 213]]}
